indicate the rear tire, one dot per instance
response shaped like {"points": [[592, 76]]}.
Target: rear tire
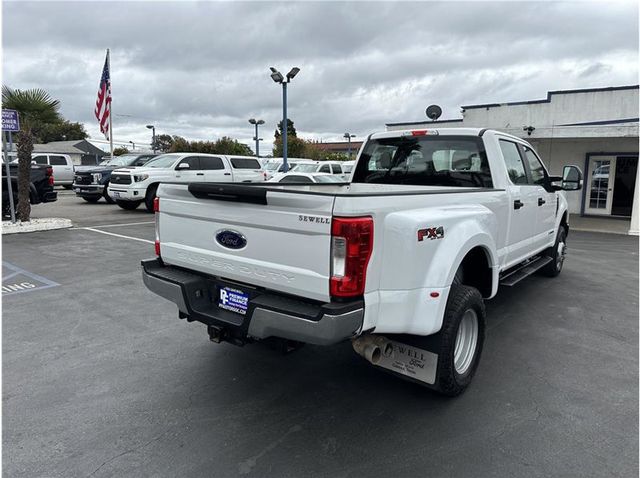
{"points": [[462, 339], [91, 200], [106, 196], [129, 205], [151, 195], [557, 254]]}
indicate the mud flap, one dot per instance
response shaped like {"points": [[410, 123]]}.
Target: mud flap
{"points": [[408, 356]]}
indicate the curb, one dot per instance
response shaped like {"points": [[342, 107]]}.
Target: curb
{"points": [[36, 225]]}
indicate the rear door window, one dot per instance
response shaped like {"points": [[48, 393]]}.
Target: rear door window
{"points": [[211, 163], [245, 163], [336, 169], [40, 159], [513, 162], [57, 161]]}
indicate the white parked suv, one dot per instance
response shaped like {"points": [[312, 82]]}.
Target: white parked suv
{"points": [[399, 261], [130, 187], [63, 168]]}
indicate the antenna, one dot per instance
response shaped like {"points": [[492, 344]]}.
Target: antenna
{"points": [[433, 112]]}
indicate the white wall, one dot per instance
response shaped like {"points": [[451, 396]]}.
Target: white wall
{"points": [[564, 108]]}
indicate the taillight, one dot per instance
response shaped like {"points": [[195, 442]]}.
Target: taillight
{"points": [[49, 174], [351, 246], [156, 210]]}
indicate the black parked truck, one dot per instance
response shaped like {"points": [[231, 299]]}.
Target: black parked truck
{"points": [[90, 182], [40, 187]]}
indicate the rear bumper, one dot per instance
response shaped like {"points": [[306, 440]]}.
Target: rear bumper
{"points": [[50, 196], [269, 314]]}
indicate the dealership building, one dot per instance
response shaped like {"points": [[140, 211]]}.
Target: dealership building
{"points": [[595, 129]]}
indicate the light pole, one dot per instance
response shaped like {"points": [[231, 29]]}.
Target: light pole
{"points": [[257, 139], [278, 78], [133, 145], [153, 138], [349, 136]]}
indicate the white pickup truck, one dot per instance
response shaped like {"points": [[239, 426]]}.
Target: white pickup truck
{"points": [[130, 187], [399, 260]]}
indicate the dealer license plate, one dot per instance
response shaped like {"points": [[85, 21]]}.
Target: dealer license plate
{"points": [[115, 194], [233, 300]]}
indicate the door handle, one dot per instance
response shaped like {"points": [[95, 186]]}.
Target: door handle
{"points": [[517, 204], [541, 201], [227, 174], [199, 174]]}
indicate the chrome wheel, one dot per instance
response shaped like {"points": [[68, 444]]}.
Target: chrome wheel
{"points": [[561, 253], [466, 342]]}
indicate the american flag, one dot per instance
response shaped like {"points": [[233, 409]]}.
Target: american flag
{"points": [[103, 103]]}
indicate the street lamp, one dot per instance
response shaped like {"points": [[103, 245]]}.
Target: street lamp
{"points": [[349, 136], [153, 138], [133, 145], [256, 138], [278, 78]]}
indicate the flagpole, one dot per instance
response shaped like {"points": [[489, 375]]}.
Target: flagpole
{"points": [[110, 106]]}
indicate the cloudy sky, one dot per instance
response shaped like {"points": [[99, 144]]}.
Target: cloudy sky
{"points": [[201, 69]]}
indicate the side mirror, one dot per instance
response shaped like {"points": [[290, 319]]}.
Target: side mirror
{"points": [[183, 166], [571, 178]]}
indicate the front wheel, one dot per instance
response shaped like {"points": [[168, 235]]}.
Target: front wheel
{"points": [[149, 198], [129, 205], [462, 338], [106, 196], [557, 253]]}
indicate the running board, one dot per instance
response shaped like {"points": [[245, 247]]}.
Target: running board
{"points": [[524, 271]]}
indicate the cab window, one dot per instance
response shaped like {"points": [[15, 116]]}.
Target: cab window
{"points": [[336, 169], [295, 179], [324, 169], [57, 160], [192, 161], [40, 159], [513, 161], [535, 166]]}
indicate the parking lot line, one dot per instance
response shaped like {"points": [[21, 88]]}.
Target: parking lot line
{"points": [[114, 234], [125, 224], [23, 286]]}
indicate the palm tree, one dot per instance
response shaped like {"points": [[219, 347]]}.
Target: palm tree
{"points": [[33, 106]]}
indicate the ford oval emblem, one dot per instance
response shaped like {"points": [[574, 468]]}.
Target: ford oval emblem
{"points": [[231, 239]]}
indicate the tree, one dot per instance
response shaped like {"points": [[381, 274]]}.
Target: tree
{"points": [[224, 145], [61, 131], [295, 147], [179, 145], [163, 143], [34, 107], [291, 130], [120, 150]]}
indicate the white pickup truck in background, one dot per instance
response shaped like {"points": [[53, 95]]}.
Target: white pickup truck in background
{"points": [[130, 187], [399, 260]]}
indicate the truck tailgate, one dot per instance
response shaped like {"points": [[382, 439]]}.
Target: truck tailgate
{"points": [[287, 239]]}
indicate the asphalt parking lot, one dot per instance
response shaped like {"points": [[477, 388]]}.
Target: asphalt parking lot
{"points": [[100, 378]]}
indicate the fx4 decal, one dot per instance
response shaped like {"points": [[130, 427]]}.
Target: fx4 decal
{"points": [[431, 233]]}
